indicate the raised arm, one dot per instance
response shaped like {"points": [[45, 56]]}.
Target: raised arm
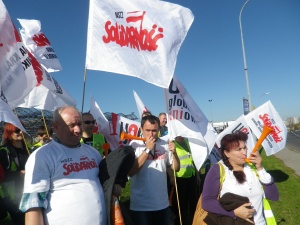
{"points": [[141, 159]]}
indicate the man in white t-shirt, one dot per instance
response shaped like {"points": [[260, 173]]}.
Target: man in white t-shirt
{"points": [[149, 196], [61, 180]]}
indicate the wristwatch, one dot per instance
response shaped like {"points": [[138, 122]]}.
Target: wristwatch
{"points": [[147, 150]]}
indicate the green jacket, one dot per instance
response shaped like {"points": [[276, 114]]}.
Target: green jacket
{"points": [[98, 141]]}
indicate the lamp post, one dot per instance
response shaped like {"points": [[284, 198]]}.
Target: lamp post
{"points": [[210, 100], [244, 57]]}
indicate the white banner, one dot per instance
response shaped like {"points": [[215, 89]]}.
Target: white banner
{"points": [[103, 124], [48, 95], [186, 119], [215, 156], [38, 44], [7, 115], [17, 77], [140, 105], [112, 129], [266, 115], [239, 125], [136, 38]]}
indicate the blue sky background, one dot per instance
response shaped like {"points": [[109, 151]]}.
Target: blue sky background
{"points": [[209, 64]]}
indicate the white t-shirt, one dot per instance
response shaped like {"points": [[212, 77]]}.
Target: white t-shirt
{"points": [[149, 190], [70, 176], [252, 188]]}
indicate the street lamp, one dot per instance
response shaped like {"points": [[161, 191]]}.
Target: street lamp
{"points": [[264, 94], [244, 57], [210, 100]]}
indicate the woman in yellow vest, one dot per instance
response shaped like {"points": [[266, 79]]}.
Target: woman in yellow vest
{"points": [[188, 183], [13, 157], [241, 179]]}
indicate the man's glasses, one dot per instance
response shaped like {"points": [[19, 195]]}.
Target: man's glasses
{"points": [[17, 131], [90, 121]]}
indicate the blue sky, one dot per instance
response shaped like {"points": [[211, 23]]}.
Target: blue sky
{"points": [[209, 64]]}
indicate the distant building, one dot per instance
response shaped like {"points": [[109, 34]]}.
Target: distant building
{"points": [[32, 119], [220, 126]]}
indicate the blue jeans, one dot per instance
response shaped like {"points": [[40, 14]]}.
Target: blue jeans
{"points": [[160, 217]]}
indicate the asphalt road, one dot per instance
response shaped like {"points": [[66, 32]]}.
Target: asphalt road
{"points": [[293, 141]]}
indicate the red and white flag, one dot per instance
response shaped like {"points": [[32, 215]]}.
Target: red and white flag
{"points": [[17, 76], [186, 119], [136, 38], [239, 125], [112, 129], [48, 95], [39, 45], [140, 105], [266, 115], [104, 125]]}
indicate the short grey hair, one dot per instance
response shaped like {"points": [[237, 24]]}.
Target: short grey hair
{"points": [[58, 111]]}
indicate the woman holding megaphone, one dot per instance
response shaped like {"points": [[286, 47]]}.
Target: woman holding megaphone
{"points": [[237, 190]]}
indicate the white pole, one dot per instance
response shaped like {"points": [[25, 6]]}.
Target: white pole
{"points": [[244, 57]]}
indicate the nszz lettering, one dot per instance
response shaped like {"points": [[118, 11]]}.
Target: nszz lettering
{"points": [[119, 15]]}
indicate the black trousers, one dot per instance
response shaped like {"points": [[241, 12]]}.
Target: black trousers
{"points": [[188, 194]]}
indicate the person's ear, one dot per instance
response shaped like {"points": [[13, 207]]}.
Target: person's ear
{"points": [[226, 154]]}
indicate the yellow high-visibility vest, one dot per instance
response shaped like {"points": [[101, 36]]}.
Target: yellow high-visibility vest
{"points": [[187, 168]]}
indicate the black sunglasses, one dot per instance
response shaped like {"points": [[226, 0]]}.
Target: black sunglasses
{"points": [[17, 131], [90, 121]]}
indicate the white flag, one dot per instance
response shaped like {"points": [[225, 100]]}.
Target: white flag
{"points": [[17, 76], [104, 125], [38, 44], [48, 95], [186, 119], [140, 105], [128, 126], [239, 125], [266, 115], [7, 115], [136, 38]]}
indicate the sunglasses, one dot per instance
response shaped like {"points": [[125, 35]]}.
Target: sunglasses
{"points": [[17, 131], [41, 134], [90, 121]]}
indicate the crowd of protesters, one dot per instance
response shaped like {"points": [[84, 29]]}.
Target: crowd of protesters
{"points": [[71, 176]]}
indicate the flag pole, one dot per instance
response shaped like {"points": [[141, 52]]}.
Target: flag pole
{"points": [[83, 93], [45, 123], [176, 189]]}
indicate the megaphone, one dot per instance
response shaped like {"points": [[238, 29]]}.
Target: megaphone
{"points": [[129, 136], [105, 147], [265, 132]]}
